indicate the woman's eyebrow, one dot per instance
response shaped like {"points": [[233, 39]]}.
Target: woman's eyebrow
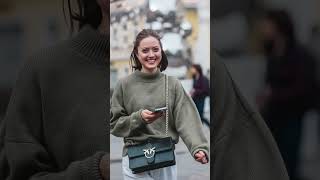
{"points": [[150, 47], [144, 48]]}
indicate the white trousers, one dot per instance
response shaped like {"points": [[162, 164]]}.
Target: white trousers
{"points": [[166, 173]]}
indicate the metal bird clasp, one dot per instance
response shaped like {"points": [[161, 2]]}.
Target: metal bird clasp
{"points": [[149, 153]]}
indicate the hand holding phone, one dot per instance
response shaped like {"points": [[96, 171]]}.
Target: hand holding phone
{"points": [[162, 109], [151, 115]]}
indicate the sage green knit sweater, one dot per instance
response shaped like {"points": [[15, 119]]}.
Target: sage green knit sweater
{"points": [[141, 91]]}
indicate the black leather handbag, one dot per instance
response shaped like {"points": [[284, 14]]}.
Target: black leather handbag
{"points": [[154, 153]]}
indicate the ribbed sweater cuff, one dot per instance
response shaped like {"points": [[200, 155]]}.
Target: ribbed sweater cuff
{"points": [[137, 118], [90, 167]]}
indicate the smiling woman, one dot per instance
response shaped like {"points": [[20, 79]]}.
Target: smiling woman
{"points": [[132, 118], [147, 53]]}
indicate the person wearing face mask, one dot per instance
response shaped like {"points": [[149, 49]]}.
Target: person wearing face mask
{"points": [[290, 85], [200, 90], [136, 95], [55, 126]]}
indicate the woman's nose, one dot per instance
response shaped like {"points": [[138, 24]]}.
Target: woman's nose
{"points": [[151, 54]]}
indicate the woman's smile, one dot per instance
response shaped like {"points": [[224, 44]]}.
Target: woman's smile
{"points": [[151, 61]]}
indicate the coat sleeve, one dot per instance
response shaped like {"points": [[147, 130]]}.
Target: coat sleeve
{"points": [[25, 149], [242, 145], [121, 123], [188, 122]]}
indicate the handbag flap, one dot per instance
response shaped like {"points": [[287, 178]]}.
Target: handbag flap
{"points": [[159, 145]]}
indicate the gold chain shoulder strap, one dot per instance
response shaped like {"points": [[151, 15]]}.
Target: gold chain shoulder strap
{"points": [[167, 104]]}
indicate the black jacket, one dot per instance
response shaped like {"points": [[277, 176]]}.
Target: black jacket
{"points": [[56, 120], [242, 147]]}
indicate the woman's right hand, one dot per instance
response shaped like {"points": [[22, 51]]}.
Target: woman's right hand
{"points": [[149, 116]]}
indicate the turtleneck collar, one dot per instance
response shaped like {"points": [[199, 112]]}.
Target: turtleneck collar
{"points": [[92, 44], [147, 77]]}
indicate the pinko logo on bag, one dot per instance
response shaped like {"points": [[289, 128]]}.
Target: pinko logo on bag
{"points": [[149, 153]]}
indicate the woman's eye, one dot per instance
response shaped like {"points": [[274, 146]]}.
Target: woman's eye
{"points": [[155, 49], [145, 51]]}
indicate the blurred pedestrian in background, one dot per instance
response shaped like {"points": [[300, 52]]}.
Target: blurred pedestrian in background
{"points": [[200, 90], [289, 85]]}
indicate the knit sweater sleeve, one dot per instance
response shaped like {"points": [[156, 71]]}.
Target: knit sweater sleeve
{"points": [[122, 124], [188, 122], [25, 147]]}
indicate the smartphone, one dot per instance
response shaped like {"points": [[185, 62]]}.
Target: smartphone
{"points": [[159, 109]]}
